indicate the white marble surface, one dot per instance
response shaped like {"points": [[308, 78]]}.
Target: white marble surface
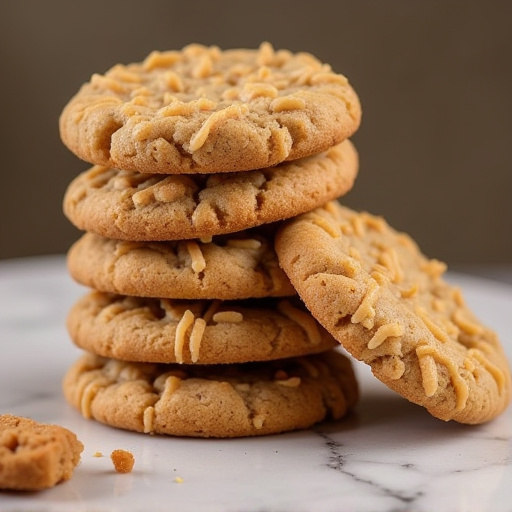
{"points": [[389, 456]]}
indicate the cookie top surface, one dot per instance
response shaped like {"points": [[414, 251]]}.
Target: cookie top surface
{"points": [[202, 332], [389, 306], [213, 401], [34, 455], [203, 110], [237, 266], [136, 206]]}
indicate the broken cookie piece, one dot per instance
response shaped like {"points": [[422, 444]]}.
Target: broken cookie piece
{"points": [[35, 456]]}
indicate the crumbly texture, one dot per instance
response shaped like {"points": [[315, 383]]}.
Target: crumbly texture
{"points": [[201, 110], [212, 401], [136, 206], [201, 331], [123, 461], [35, 456], [237, 266], [389, 306]]}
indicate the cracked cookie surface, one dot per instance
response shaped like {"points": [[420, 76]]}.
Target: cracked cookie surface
{"points": [[213, 401], [389, 306], [203, 110], [237, 266], [136, 206], [202, 331], [35, 456]]}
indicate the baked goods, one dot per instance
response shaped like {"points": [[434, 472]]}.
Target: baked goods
{"points": [[236, 266], [35, 456], [194, 331], [203, 110], [191, 328], [389, 306], [212, 400], [138, 206]]}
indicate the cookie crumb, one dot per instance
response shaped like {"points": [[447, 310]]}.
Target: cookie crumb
{"points": [[97, 454], [123, 461], [178, 480]]}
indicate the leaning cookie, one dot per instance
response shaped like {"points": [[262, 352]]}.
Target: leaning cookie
{"points": [[201, 110], [212, 401], [35, 456], [201, 331], [389, 306], [237, 266], [135, 206]]}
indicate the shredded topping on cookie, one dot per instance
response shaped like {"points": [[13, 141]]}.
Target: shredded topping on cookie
{"points": [[384, 332], [429, 374], [196, 336], [292, 382], [428, 370], [99, 176], [495, 372], [434, 268], [148, 419], [172, 383], [231, 112], [286, 103], [327, 226], [229, 317], [258, 421], [124, 247], [465, 324], [389, 259], [88, 394], [410, 292], [248, 243], [183, 325], [438, 333], [365, 313], [198, 261], [359, 226]]}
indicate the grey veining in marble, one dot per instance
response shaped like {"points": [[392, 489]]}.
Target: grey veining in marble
{"points": [[389, 456]]}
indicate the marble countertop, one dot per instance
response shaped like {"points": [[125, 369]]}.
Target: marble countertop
{"points": [[389, 456]]}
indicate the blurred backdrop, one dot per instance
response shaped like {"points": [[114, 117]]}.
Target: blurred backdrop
{"points": [[434, 78]]}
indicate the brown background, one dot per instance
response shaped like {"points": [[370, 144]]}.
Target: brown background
{"points": [[434, 77]]}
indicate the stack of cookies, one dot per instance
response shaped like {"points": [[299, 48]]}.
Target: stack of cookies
{"points": [[191, 327], [223, 269]]}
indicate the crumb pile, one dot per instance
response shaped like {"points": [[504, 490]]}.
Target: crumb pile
{"points": [[191, 327]]}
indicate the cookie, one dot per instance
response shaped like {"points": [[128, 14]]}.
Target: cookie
{"points": [[203, 332], [136, 206], [35, 456], [212, 401], [237, 266], [389, 306], [201, 110]]}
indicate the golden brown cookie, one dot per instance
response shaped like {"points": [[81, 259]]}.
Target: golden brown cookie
{"points": [[201, 331], [34, 455], [212, 401], [201, 110], [135, 206], [236, 266], [389, 306]]}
